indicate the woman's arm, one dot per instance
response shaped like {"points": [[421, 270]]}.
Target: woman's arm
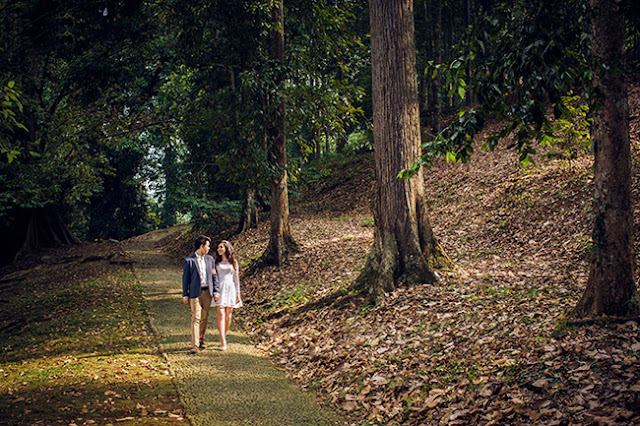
{"points": [[236, 279], [215, 291]]}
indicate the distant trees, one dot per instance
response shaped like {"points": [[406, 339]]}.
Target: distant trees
{"points": [[74, 66], [404, 249], [248, 101]]}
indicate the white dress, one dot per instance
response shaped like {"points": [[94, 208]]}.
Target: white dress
{"points": [[229, 286]]}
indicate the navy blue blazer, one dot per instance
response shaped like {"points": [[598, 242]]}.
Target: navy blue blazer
{"points": [[191, 286]]}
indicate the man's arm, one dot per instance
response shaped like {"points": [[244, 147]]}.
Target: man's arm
{"points": [[185, 281], [216, 283]]}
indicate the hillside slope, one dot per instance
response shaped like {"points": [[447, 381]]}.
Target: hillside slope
{"points": [[488, 344]]}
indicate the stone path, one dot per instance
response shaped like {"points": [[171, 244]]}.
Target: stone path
{"points": [[236, 387]]}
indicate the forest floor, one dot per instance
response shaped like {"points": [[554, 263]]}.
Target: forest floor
{"points": [[75, 343], [489, 343]]}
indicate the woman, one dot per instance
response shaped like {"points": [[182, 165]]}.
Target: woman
{"points": [[229, 296]]}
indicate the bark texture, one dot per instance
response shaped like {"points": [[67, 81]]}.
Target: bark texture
{"points": [[610, 287], [280, 241], [404, 249]]}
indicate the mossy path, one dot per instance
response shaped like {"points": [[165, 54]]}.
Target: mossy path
{"points": [[236, 387]]}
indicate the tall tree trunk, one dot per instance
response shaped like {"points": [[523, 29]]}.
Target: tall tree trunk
{"points": [[610, 287], [437, 57], [404, 248], [280, 241]]}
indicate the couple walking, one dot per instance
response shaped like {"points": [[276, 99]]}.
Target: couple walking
{"points": [[208, 282]]}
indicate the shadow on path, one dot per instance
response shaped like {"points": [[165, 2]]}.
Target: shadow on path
{"points": [[236, 387]]}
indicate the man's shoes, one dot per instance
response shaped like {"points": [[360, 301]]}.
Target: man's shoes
{"points": [[194, 350], [202, 345]]}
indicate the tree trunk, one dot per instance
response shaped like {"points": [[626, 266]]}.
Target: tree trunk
{"points": [[341, 143], [428, 83], [404, 248], [250, 217], [280, 241], [169, 212], [46, 229], [610, 287], [437, 57], [468, 23], [317, 147]]}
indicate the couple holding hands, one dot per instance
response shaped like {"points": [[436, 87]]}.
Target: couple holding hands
{"points": [[208, 282]]}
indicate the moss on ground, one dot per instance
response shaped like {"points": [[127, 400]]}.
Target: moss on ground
{"points": [[76, 348]]}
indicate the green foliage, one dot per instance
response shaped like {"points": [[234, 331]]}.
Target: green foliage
{"points": [[572, 128], [368, 222], [525, 56], [359, 142], [327, 57], [120, 207], [10, 98], [454, 74]]}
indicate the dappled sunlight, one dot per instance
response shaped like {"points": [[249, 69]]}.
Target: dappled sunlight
{"points": [[125, 389], [236, 386]]}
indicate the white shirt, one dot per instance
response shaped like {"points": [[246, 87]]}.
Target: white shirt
{"points": [[202, 270]]}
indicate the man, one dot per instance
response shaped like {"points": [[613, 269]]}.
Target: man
{"points": [[199, 283]]}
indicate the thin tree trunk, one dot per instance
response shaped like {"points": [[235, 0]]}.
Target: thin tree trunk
{"points": [[437, 57], [404, 248], [250, 217], [280, 241], [341, 143], [468, 23], [169, 165], [610, 287], [250, 212], [317, 147], [427, 81]]}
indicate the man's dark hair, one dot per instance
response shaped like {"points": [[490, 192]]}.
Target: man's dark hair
{"points": [[201, 240]]}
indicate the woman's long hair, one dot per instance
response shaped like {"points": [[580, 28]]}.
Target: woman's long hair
{"points": [[228, 248]]}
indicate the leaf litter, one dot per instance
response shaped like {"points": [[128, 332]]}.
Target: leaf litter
{"points": [[490, 343]]}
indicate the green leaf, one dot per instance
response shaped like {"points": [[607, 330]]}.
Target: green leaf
{"points": [[527, 161], [462, 92], [12, 155], [11, 84]]}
